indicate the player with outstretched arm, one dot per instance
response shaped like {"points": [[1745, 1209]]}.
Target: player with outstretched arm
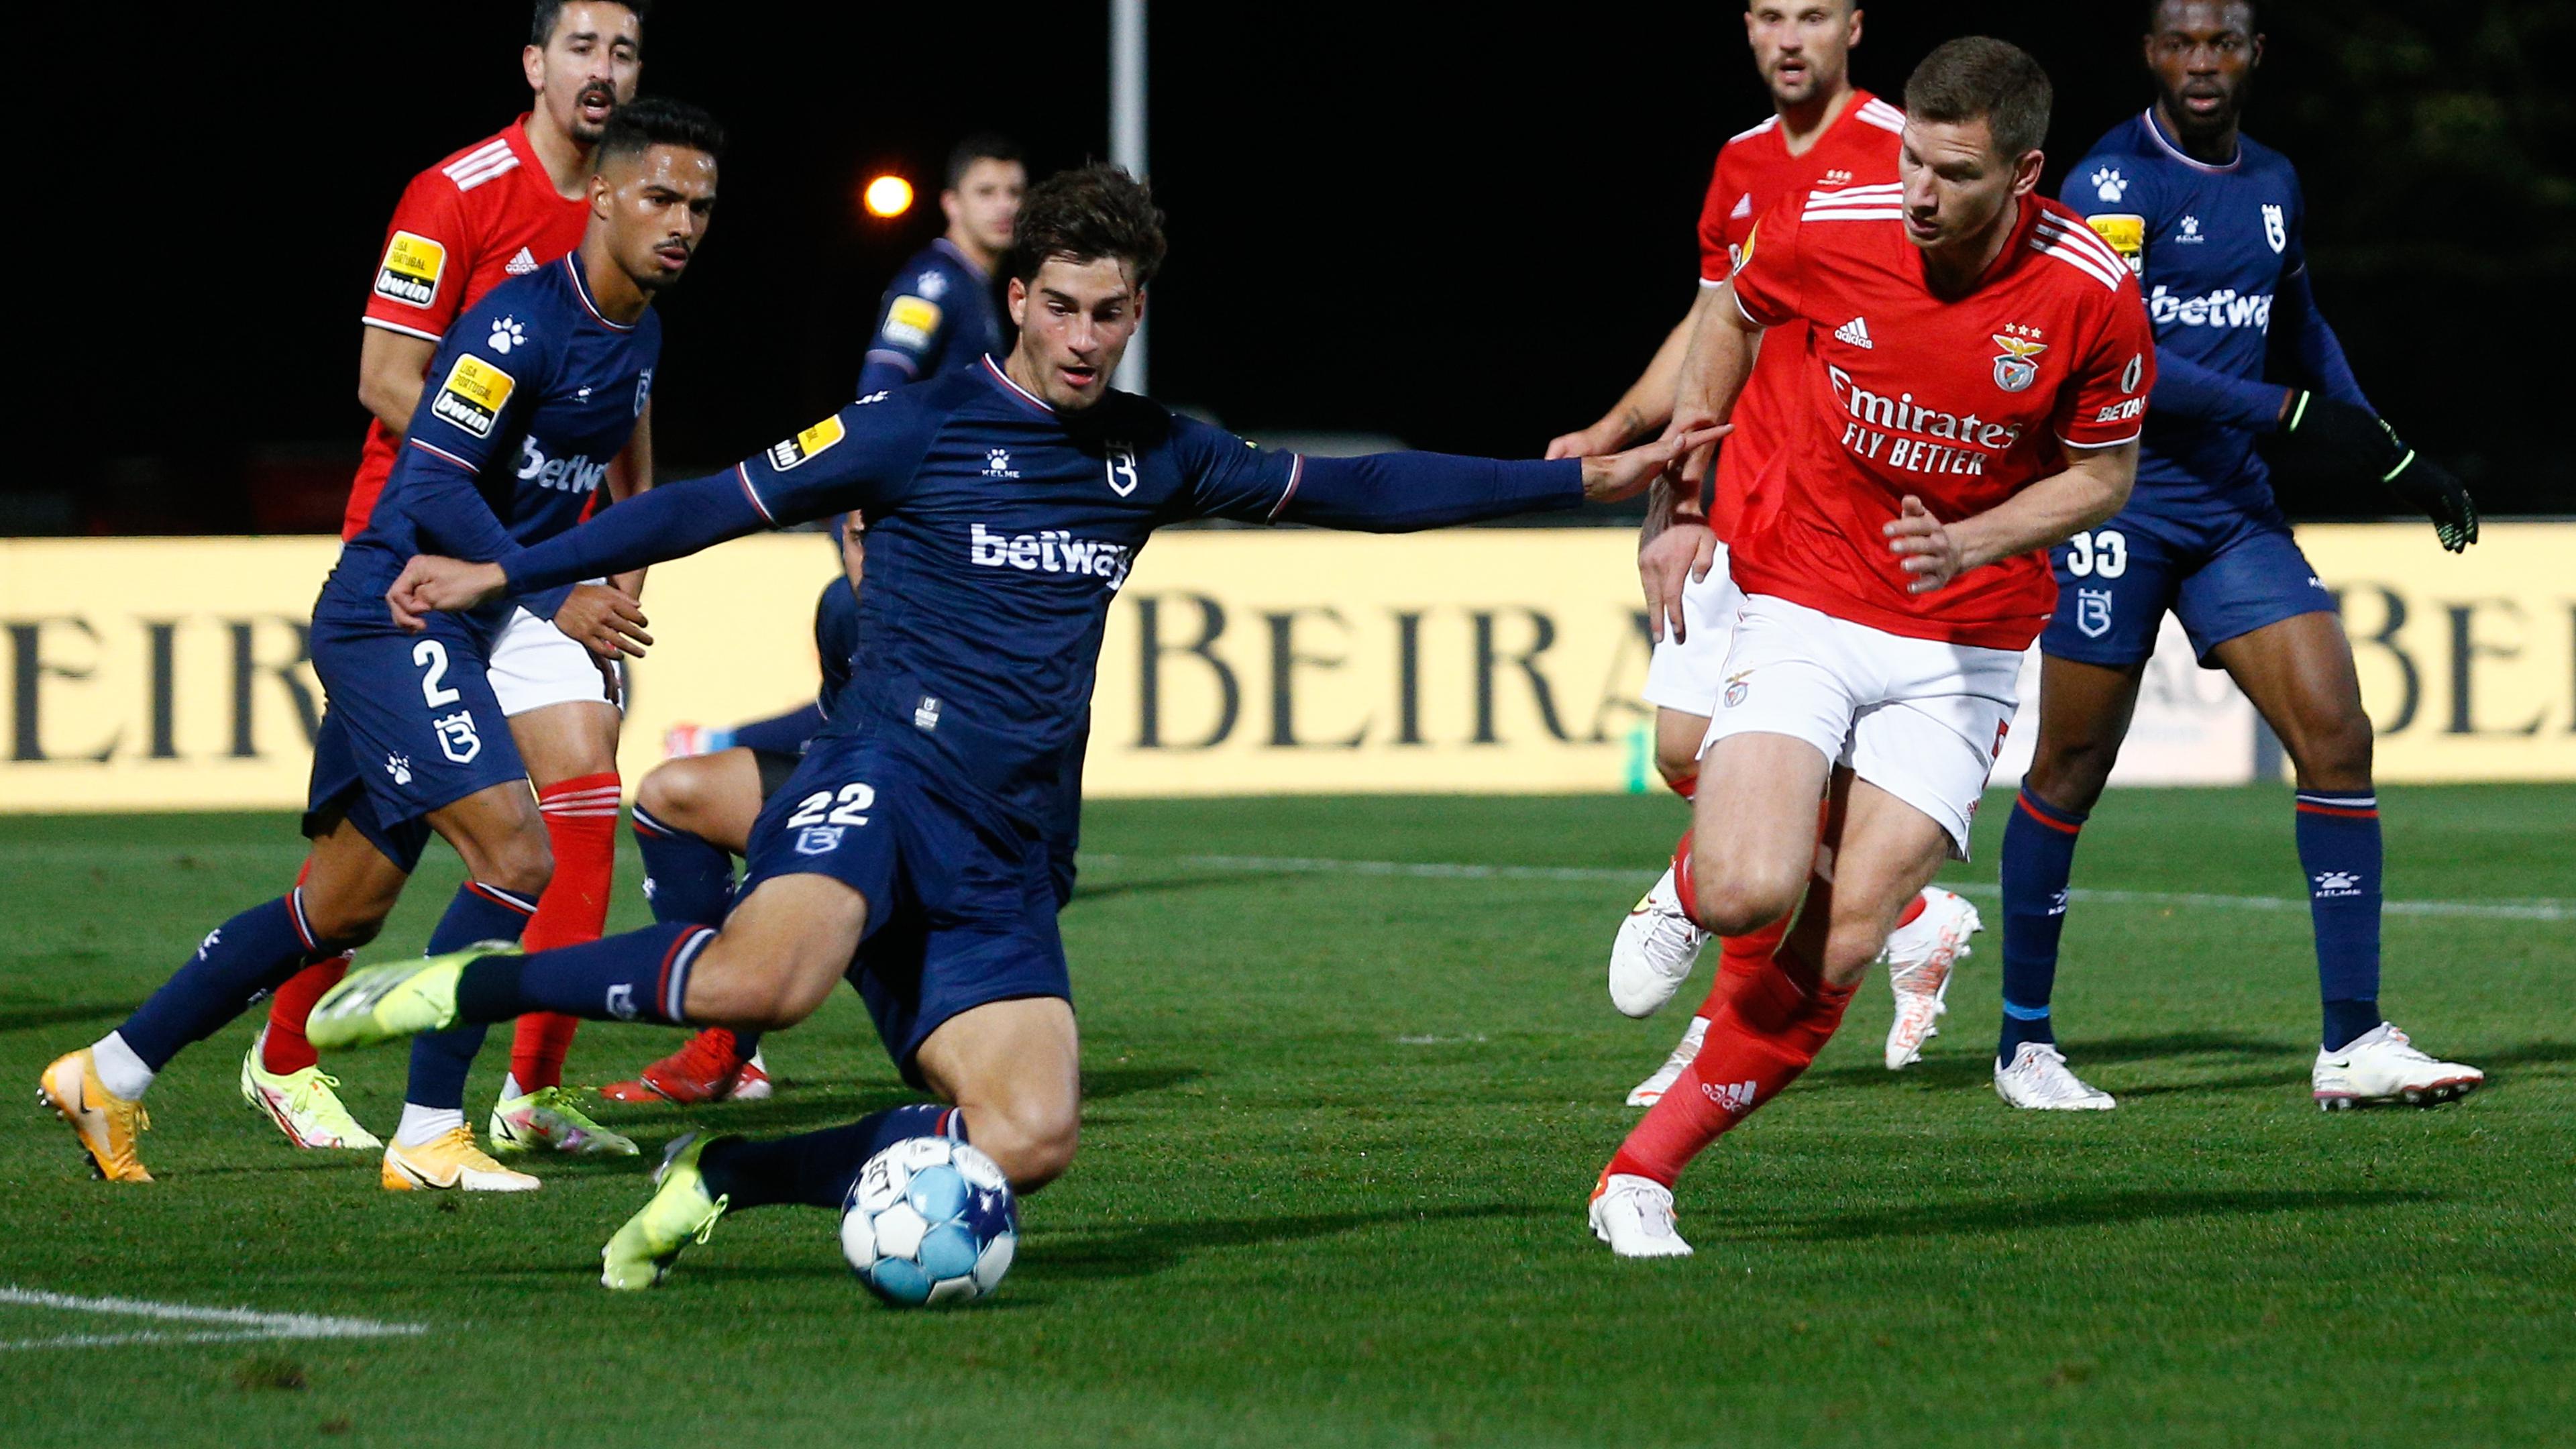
{"points": [[2213, 221], [1976, 360], [1005, 507]]}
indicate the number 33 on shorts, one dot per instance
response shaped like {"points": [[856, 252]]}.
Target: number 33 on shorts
{"points": [[821, 817]]}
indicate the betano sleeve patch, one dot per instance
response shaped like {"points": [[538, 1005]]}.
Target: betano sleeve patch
{"points": [[412, 267], [2127, 234], [806, 444], [911, 321], [473, 395]]}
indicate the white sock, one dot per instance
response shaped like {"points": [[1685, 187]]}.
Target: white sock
{"points": [[424, 1125], [119, 1069], [511, 1091]]}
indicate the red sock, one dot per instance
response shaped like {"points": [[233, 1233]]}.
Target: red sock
{"points": [[1912, 909], [1741, 960], [581, 824], [1687, 786], [1755, 1048], [284, 1048]]}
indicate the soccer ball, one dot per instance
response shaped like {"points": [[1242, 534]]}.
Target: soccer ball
{"points": [[930, 1221]]}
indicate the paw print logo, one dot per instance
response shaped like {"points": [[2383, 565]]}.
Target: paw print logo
{"points": [[2191, 228], [506, 334], [213, 938], [2108, 184], [997, 460], [2336, 882], [876, 397], [399, 766]]}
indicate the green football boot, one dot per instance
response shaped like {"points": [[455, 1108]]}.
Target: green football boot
{"points": [[550, 1120], [378, 1004], [680, 1213]]}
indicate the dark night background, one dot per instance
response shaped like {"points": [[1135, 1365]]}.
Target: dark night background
{"points": [[1462, 229]]}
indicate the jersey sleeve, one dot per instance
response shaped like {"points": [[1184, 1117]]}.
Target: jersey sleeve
{"points": [[2103, 402], [482, 380], [420, 276], [1224, 476], [1767, 282], [1716, 254], [2113, 204], [912, 330], [862, 457]]}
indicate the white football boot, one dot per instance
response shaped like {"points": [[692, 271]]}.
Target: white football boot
{"points": [[2038, 1081], [2381, 1067], [1919, 956], [1655, 950], [1634, 1215], [1650, 1091]]}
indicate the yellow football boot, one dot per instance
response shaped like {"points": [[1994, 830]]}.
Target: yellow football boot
{"points": [[106, 1123]]}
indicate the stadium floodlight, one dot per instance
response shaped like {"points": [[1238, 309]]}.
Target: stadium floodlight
{"points": [[887, 197], [1127, 136]]}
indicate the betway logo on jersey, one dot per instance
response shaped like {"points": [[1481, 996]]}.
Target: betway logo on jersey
{"points": [[576, 474], [2223, 308], [1050, 551], [1902, 433]]}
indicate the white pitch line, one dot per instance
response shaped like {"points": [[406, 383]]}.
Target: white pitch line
{"points": [[2493, 910], [245, 1323]]}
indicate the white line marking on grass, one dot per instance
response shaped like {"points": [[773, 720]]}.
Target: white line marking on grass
{"points": [[244, 1324], [2493, 910]]}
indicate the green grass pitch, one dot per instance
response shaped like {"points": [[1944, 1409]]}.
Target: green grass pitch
{"points": [[1340, 1131]]}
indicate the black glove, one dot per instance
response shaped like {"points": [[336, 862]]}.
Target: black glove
{"points": [[2429, 486], [2322, 435]]}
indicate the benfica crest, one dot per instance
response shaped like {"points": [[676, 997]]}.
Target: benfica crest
{"points": [[2014, 369]]}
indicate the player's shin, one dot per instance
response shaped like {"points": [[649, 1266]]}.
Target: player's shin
{"points": [[2339, 849], [686, 877], [434, 1099], [1755, 1048], [581, 825], [816, 1168], [237, 960], [639, 976], [2038, 859]]}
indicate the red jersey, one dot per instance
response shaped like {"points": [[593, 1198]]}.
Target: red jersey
{"points": [[1960, 402], [1754, 173], [464, 226]]}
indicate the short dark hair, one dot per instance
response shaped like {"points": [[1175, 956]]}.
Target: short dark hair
{"points": [[2253, 17], [649, 121], [1977, 77], [982, 146], [1088, 213], [541, 24]]}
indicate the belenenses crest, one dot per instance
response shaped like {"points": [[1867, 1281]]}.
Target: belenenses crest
{"points": [[2014, 369]]}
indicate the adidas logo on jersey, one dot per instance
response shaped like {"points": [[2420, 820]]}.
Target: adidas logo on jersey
{"points": [[1736, 1098], [522, 264], [1855, 332]]}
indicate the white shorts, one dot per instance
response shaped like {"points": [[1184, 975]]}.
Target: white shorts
{"points": [[1919, 718], [534, 664], [1686, 675]]}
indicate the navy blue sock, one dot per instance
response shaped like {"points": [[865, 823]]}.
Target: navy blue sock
{"points": [[784, 734], [2339, 851], [2039, 857], [442, 1060], [685, 877], [745, 1043], [238, 960], [816, 1168], [640, 976]]}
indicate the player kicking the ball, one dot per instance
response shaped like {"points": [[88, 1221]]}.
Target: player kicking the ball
{"points": [[1823, 132], [1005, 507], [493, 211], [2212, 221], [1975, 362], [535, 388]]}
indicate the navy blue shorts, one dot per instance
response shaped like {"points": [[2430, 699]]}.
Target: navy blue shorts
{"points": [[961, 907], [2224, 576], [410, 726]]}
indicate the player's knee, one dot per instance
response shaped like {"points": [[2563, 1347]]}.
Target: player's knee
{"points": [[521, 862], [2336, 756], [2072, 776], [346, 923], [671, 794], [1032, 1143], [1738, 902]]}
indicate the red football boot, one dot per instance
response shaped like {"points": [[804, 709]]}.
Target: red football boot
{"points": [[706, 1068]]}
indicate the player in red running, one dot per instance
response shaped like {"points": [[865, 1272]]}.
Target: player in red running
{"points": [[1823, 132], [1973, 366], [498, 209]]}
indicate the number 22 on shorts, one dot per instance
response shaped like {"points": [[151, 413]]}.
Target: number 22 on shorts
{"points": [[821, 817]]}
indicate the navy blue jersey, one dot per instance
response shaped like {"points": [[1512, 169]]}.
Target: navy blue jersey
{"points": [[2221, 264], [531, 394], [939, 316], [836, 638]]}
